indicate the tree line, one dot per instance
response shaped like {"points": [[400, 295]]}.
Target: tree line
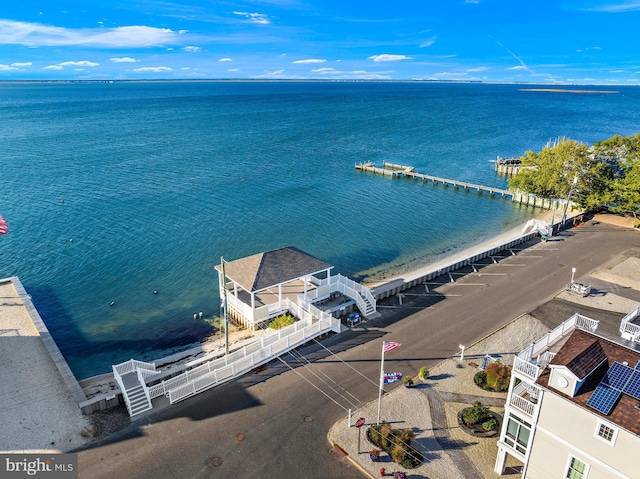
{"points": [[607, 173]]}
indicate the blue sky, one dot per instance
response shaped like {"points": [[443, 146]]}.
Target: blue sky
{"points": [[540, 41]]}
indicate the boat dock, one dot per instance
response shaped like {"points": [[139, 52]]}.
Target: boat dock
{"points": [[402, 171]]}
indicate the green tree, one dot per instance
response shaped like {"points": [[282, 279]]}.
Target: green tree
{"points": [[550, 174], [626, 190]]}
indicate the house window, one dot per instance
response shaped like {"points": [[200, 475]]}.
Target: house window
{"points": [[577, 469], [606, 433], [518, 432]]}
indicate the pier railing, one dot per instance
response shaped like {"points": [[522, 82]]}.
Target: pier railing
{"points": [[361, 294]]}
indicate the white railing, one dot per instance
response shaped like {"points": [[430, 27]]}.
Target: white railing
{"points": [[239, 362], [628, 329], [338, 283], [524, 362], [522, 404], [132, 365]]}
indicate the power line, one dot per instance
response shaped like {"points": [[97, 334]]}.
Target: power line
{"points": [[347, 364], [353, 404], [287, 364]]}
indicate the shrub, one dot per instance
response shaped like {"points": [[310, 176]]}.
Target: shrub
{"points": [[374, 434], [490, 425], [498, 376], [407, 381], [423, 373], [475, 414], [386, 436], [399, 454], [480, 378], [282, 321]]}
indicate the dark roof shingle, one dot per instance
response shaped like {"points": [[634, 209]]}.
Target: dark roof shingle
{"points": [[262, 270]]}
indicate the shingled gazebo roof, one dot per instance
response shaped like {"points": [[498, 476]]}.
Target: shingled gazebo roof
{"points": [[263, 270]]}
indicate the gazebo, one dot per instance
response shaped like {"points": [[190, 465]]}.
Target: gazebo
{"points": [[265, 285]]}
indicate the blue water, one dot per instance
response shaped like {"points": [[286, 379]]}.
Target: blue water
{"points": [[113, 191]]}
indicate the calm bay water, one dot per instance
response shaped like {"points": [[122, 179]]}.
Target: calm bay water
{"points": [[113, 191]]}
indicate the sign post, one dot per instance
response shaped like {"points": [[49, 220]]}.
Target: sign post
{"points": [[359, 423]]}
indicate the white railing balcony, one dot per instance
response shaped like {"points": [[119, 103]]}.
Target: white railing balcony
{"points": [[628, 328], [567, 326], [527, 367], [524, 404]]}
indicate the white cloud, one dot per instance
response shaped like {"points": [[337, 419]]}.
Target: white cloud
{"points": [[428, 43], [518, 67], [192, 49], [233, 70], [53, 67], [123, 60], [388, 58], [5, 68], [325, 70], [471, 1], [272, 74], [21, 64], [38, 35], [152, 69], [582, 50], [226, 59], [260, 18], [310, 60], [82, 63], [477, 69]]}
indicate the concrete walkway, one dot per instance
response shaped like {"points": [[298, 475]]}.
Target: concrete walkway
{"points": [[38, 410]]}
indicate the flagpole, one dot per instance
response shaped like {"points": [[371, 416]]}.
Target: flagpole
{"points": [[381, 382]]}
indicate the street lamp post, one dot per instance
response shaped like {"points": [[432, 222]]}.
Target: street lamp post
{"points": [[573, 272]]}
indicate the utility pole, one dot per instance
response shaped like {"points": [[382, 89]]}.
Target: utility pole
{"points": [[566, 205]]}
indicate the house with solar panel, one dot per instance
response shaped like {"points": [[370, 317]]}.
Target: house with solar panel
{"points": [[260, 287], [573, 406]]}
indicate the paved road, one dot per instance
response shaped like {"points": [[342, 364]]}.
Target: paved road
{"points": [[285, 419]]}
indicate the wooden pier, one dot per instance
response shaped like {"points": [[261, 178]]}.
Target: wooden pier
{"points": [[401, 171]]}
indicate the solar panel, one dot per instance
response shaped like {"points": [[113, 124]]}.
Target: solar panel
{"points": [[632, 387], [603, 399], [617, 376]]}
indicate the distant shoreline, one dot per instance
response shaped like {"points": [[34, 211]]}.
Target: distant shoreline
{"points": [[566, 90]]}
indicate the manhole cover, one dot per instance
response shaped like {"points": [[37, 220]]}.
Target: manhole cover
{"points": [[215, 462], [240, 437], [308, 419]]}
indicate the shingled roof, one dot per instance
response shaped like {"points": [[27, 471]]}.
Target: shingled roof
{"points": [[624, 413], [581, 359], [263, 270]]}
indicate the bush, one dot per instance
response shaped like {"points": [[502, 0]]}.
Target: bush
{"points": [[386, 436], [423, 373], [498, 376], [398, 454], [282, 321], [476, 414], [490, 425], [398, 444], [407, 381], [480, 378]]}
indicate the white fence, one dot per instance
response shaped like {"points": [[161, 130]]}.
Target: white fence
{"points": [[243, 360], [338, 283]]}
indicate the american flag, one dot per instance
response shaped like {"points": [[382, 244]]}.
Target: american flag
{"points": [[389, 346], [4, 228]]}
